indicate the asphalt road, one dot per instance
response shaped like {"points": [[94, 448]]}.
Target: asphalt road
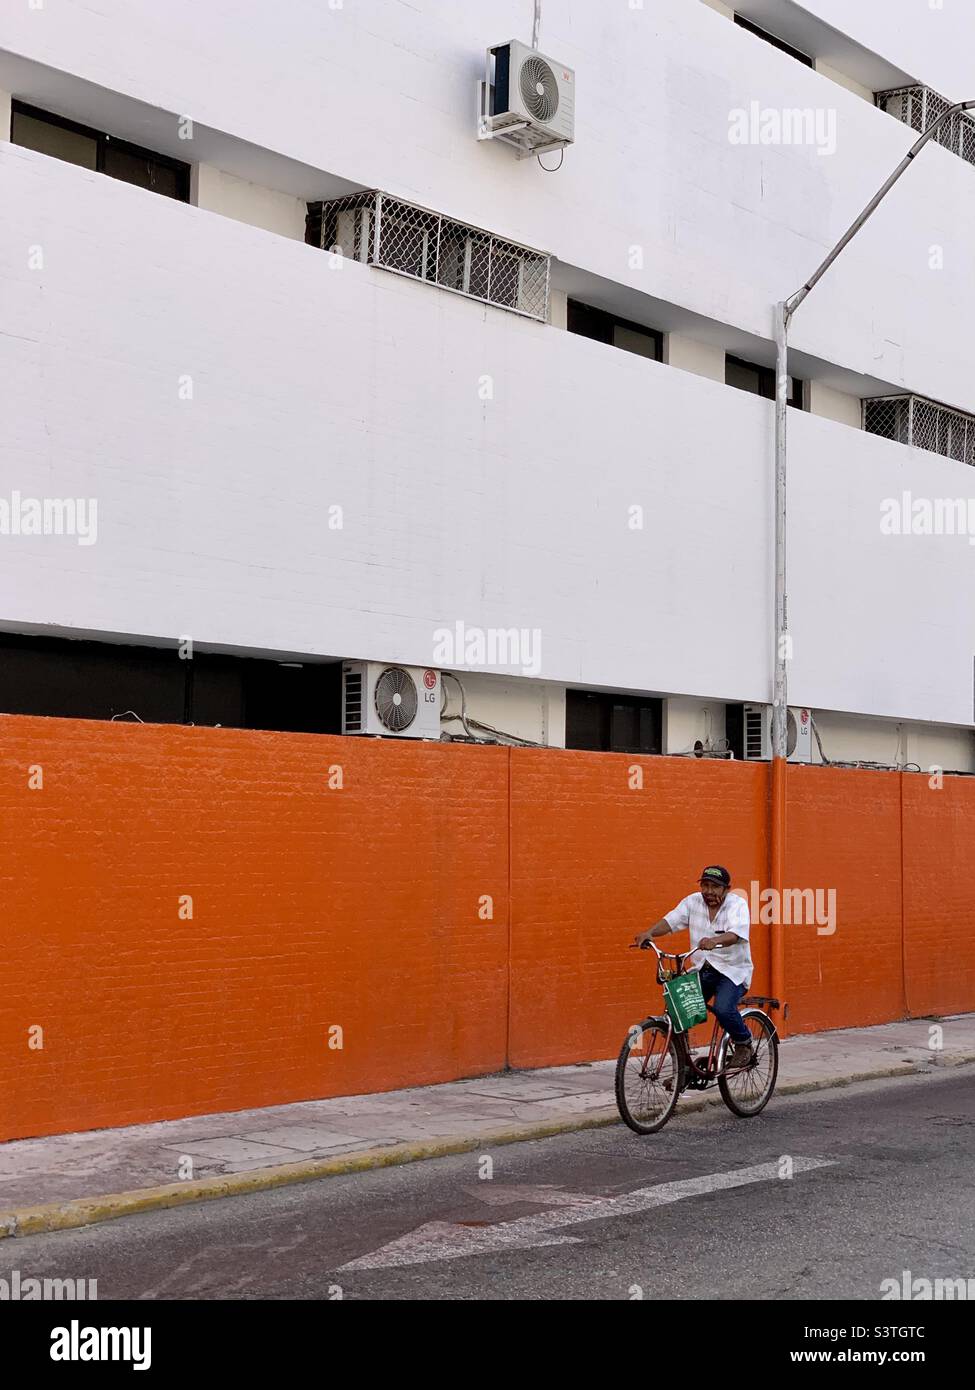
{"points": [[706, 1209]]}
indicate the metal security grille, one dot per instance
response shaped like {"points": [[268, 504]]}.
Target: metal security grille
{"points": [[922, 423], [754, 733], [353, 702], [377, 229], [919, 106]]}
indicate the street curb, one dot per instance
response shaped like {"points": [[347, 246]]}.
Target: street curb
{"points": [[90, 1211]]}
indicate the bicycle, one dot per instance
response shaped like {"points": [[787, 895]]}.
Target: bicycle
{"points": [[656, 1063]]}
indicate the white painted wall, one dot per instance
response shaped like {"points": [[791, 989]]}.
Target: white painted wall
{"points": [[931, 39], [558, 308], [834, 405], [850, 738], [687, 720], [528, 709], [846, 737], [952, 749], [864, 604], [850, 83], [691, 355], [315, 387], [725, 230], [218, 191]]}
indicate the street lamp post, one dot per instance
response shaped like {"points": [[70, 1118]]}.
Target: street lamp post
{"points": [[780, 685]]}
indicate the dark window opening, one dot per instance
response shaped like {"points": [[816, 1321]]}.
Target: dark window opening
{"points": [[92, 149], [774, 41], [59, 677], [760, 381], [734, 729], [609, 328], [612, 723]]}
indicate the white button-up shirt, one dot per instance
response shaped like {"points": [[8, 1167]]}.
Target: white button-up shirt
{"points": [[734, 961]]}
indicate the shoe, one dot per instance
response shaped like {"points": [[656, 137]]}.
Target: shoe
{"points": [[741, 1055]]}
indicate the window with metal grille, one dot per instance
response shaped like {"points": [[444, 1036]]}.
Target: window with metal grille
{"points": [[376, 229], [919, 107], [922, 423]]}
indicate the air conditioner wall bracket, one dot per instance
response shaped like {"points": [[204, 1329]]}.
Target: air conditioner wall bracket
{"points": [[508, 131]]}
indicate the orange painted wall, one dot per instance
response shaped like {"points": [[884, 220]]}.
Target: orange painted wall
{"points": [[939, 844], [362, 907], [594, 861], [311, 907], [844, 833]]}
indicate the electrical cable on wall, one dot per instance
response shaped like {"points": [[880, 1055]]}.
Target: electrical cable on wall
{"points": [[556, 168], [819, 741], [536, 22], [469, 723], [502, 733], [708, 747], [451, 718]]}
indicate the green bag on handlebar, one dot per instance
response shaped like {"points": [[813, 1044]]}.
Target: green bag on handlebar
{"points": [[685, 1001]]}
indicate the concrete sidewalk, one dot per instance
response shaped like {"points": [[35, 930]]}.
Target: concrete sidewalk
{"points": [[76, 1179]]}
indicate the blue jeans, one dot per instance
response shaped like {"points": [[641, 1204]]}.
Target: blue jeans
{"points": [[726, 995]]}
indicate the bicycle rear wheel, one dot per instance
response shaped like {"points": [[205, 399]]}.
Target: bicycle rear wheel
{"points": [[647, 1077], [747, 1090]]}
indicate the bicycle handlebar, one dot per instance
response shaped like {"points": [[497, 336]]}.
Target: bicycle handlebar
{"points": [[671, 955], [680, 957]]}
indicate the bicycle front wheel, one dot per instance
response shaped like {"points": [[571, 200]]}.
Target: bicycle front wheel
{"points": [[647, 1077], [747, 1090]]}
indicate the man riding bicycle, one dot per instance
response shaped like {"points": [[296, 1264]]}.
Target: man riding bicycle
{"points": [[719, 924]]}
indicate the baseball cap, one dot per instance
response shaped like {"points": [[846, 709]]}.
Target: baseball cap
{"points": [[715, 873]]}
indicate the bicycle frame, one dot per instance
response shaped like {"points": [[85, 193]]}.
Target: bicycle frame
{"points": [[659, 1077], [681, 1038], [681, 1041]]}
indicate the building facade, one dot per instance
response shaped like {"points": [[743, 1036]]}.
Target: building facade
{"points": [[299, 371]]}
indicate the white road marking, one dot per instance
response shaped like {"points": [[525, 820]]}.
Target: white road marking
{"points": [[497, 1194], [443, 1240]]}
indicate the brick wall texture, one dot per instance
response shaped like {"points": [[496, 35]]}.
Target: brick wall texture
{"points": [[369, 915]]}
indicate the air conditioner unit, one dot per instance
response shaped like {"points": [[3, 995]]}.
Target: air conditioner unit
{"points": [[526, 99], [391, 701], [758, 734]]}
